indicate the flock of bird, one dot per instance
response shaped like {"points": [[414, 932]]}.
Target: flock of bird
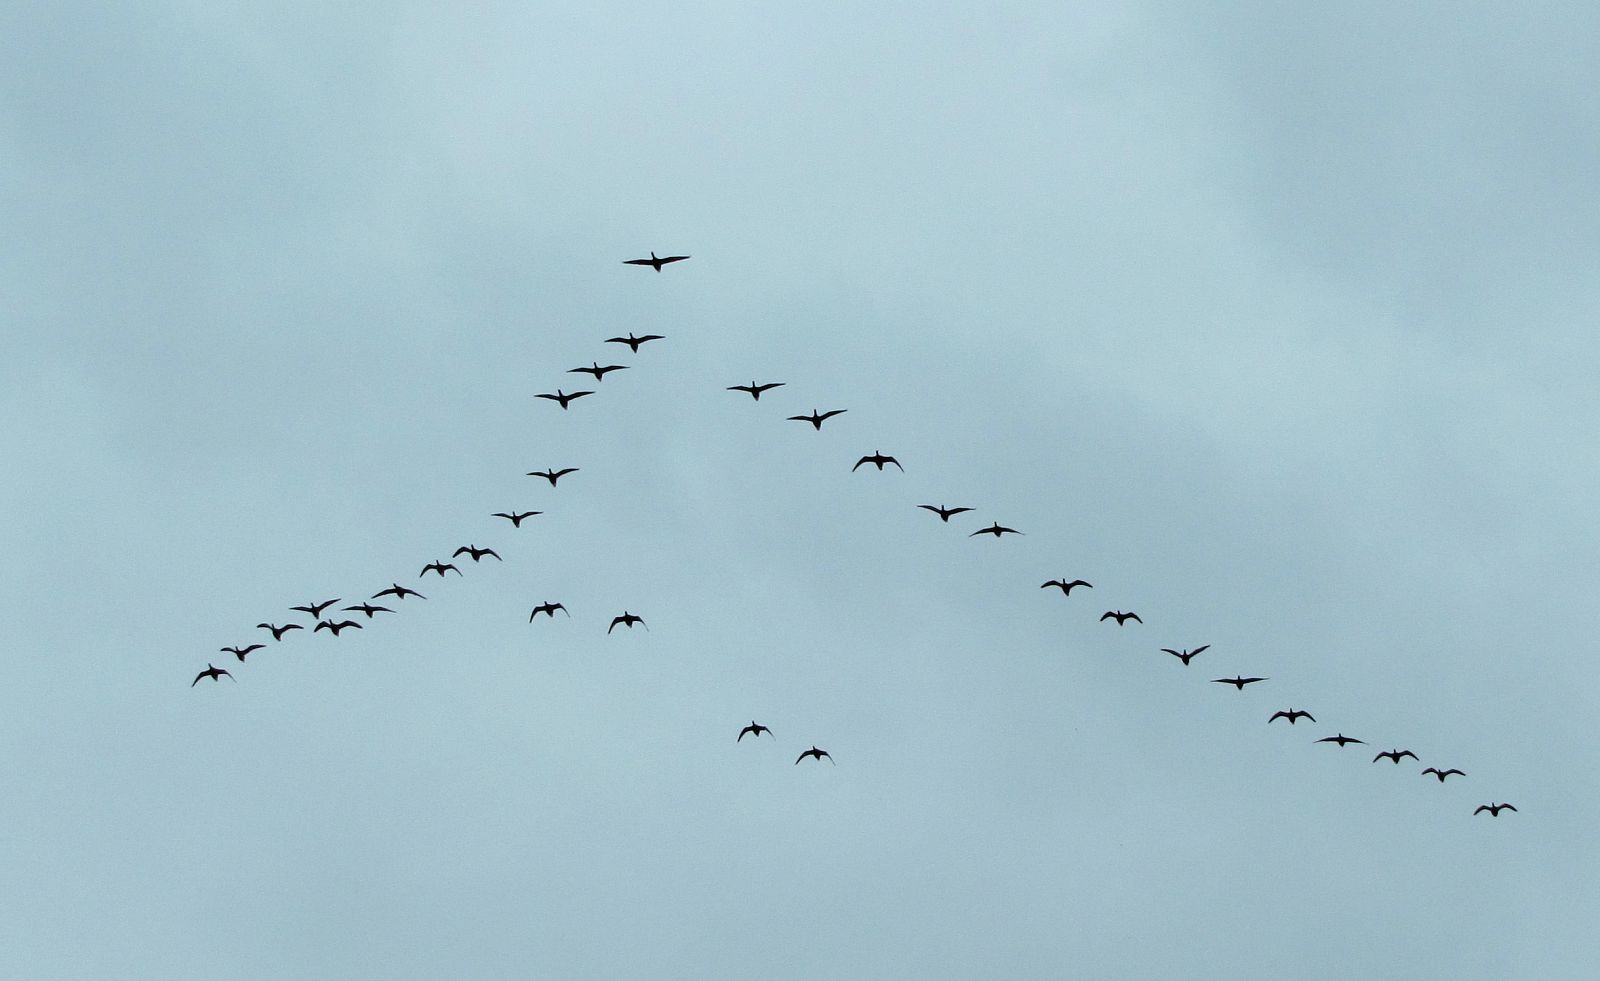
{"points": [[314, 611]]}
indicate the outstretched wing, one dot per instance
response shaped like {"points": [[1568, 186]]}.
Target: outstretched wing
{"points": [[670, 258]]}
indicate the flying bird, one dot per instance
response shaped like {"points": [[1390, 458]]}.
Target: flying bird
{"points": [[476, 553], [277, 631], [1067, 588], [1186, 655], [315, 609], [653, 261], [1120, 617], [563, 397], [754, 729], [1293, 715], [335, 627], [943, 512], [815, 752], [598, 372], [370, 610], [214, 673], [1493, 809], [549, 610], [627, 619], [398, 592], [817, 418], [552, 475], [1441, 774], [1237, 682], [240, 652], [516, 519], [1393, 754], [634, 342], [1342, 739], [438, 567], [878, 460], [756, 390]]}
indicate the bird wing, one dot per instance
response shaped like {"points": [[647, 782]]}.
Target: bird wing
{"points": [[890, 459], [1130, 616], [833, 412], [577, 395], [1507, 807], [1197, 650], [651, 337], [202, 674], [564, 471], [463, 550], [859, 463], [741, 388], [1405, 753], [1108, 615], [1480, 810], [672, 258], [1279, 715], [1459, 773], [637, 262], [543, 395], [490, 551], [770, 385]]}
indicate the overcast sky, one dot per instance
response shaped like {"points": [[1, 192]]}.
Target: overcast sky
{"points": [[1274, 322]]}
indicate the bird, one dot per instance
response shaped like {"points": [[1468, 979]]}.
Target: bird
{"points": [[653, 261], [563, 397], [552, 475], [1493, 809], [515, 518], [817, 418], [598, 372], [1185, 655], [370, 610], [1342, 739], [277, 631], [878, 460], [756, 390], [1293, 715], [398, 592], [335, 627], [1067, 588], [1119, 616], [634, 342], [549, 610], [1237, 682], [315, 609], [627, 619], [754, 729], [476, 553], [438, 567], [1393, 754], [814, 751], [996, 529], [1441, 774], [943, 512], [240, 652], [214, 673]]}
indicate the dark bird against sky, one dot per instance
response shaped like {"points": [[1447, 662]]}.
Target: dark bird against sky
{"points": [[598, 372], [314, 609], [878, 460], [627, 620], [1067, 588], [476, 553], [1120, 617], [1493, 809], [1342, 739], [1394, 755], [944, 513], [1293, 715], [817, 418], [1441, 774], [214, 673], [552, 475], [549, 610], [634, 342], [753, 729], [335, 627], [1237, 682], [654, 262], [516, 518], [370, 610], [240, 652], [440, 568], [1186, 655], [756, 390], [398, 592], [563, 397], [277, 631], [814, 752], [996, 529]]}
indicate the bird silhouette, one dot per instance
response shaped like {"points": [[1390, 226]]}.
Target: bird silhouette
{"points": [[315, 609], [1120, 617], [627, 619], [756, 390], [754, 729], [1186, 655], [398, 592], [1293, 715], [517, 518], [1493, 809], [878, 460], [1342, 739], [563, 397], [815, 752], [552, 475], [1236, 682], [598, 372], [1067, 588], [549, 610], [1441, 774], [943, 512], [240, 652], [440, 568], [370, 610], [817, 418], [654, 262], [214, 673], [634, 342], [335, 627], [996, 529], [277, 631], [1394, 754], [476, 553]]}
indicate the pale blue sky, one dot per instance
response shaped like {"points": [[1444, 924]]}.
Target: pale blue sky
{"points": [[1273, 322]]}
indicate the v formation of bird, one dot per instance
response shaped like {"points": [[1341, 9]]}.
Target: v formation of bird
{"points": [[314, 610]]}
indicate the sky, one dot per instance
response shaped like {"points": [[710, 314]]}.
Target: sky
{"points": [[1273, 322]]}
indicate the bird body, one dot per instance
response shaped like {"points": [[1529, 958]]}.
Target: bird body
{"points": [[214, 673], [1441, 774], [996, 529], [277, 631], [552, 475], [1342, 739], [944, 513], [1236, 681], [1067, 588], [1293, 715], [517, 518], [1187, 655], [818, 754], [878, 460], [370, 610], [440, 568], [753, 729], [756, 390], [335, 627], [626, 619], [654, 262], [398, 592], [634, 342], [1493, 809], [565, 398], [1394, 754], [817, 418], [240, 652], [598, 372], [476, 553], [1120, 617], [549, 610]]}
